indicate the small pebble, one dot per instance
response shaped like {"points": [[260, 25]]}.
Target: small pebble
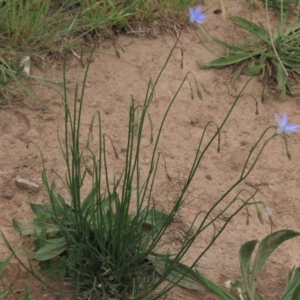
{"points": [[93, 104], [7, 194], [26, 184], [228, 284]]}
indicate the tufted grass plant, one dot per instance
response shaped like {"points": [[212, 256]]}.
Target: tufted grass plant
{"points": [[46, 30], [287, 6], [113, 241]]}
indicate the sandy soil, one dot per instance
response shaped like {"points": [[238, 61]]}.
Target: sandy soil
{"points": [[111, 82]]}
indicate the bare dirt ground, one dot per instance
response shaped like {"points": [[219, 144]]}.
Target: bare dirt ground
{"points": [[111, 82]]}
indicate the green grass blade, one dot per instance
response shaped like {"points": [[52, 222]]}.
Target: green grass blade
{"points": [[226, 61], [156, 219], [292, 28], [281, 80], [296, 293], [189, 280], [255, 70], [4, 263], [27, 295], [279, 30], [53, 248], [259, 296], [3, 294], [253, 28], [228, 46], [292, 288]]}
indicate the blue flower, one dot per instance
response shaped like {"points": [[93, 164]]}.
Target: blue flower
{"points": [[283, 125], [196, 16]]}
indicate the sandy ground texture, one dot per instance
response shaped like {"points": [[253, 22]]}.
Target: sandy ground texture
{"points": [[111, 82]]}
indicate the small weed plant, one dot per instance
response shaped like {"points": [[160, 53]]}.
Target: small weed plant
{"points": [[273, 57], [5, 285], [4, 290], [246, 288], [112, 241], [290, 6]]}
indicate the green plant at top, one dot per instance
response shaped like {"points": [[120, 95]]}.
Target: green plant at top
{"points": [[32, 25], [279, 5], [43, 28], [22, 19], [247, 286], [112, 241], [46, 30], [267, 56]]}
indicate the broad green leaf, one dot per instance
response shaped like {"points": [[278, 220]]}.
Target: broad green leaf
{"points": [[229, 46], [162, 263], [214, 288], [3, 294], [50, 190], [253, 28], [279, 30], [238, 72], [192, 280], [34, 227], [157, 219], [226, 61], [54, 212], [245, 256], [109, 201], [296, 293], [292, 287], [254, 70], [271, 55], [93, 211], [267, 246], [46, 209], [50, 250], [282, 81], [292, 28], [297, 70]]}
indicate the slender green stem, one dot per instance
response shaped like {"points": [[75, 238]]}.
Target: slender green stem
{"points": [[272, 42]]}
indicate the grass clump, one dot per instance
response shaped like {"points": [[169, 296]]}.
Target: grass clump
{"points": [[47, 30], [287, 6], [44, 29]]}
